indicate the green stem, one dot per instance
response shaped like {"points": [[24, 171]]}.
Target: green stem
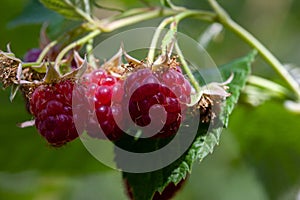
{"points": [[110, 26], [187, 70], [81, 41], [30, 64], [224, 18], [128, 13], [34, 64], [153, 13], [162, 25], [269, 85], [87, 6], [267, 55], [85, 15], [90, 56], [171, 5], [46, 50], [176, 19]]}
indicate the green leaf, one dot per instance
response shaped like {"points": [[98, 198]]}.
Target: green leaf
{"points": [[64, 7], [241, 70], [144, 185], [34, 13], [268, 138], [165, 3]]}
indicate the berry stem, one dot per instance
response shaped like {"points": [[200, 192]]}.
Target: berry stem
{"points": [[46, 50], [269, 85], [30, 64], [162, 25], [90, 56], [186, 69], [171, 5], [150, 14], [86, 15], [106, 25], [111, 26], [81, 41], [225, 19], [204, 15], [87, 6], [89, 45]]}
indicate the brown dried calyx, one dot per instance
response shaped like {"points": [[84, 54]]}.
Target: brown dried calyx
{"points": [[27, 89], [212, 98], [9, 66], [210, 107]]}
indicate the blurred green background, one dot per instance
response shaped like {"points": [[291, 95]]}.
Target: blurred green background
{"points": [[259, 154]]}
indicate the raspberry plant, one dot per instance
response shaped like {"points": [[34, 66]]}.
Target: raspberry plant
{"points": [[47, 75]]}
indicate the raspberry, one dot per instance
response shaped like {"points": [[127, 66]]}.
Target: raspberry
{"points": [[169, 192], [51, 104], [32, 55], [146, 88], [100, 87]]}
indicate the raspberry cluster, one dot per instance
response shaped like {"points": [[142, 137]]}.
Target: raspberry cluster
{"points": [[145, 92]]}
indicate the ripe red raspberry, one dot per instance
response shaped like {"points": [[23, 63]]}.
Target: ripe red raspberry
{"points": [[169, 192], [100, 88], [145, 88], [51, 104]]}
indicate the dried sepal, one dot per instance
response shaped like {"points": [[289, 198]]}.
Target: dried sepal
{"points": [[218, 89], [42, 68], [210, 100], [52, 75], [26, 124], [13, 92], [161, 60], [8, 48], [115, 64], [114, 61], [30, 80], [77, 73], [210, 107], [132, 61], [44, 39], [9, 66], [78, 59]]}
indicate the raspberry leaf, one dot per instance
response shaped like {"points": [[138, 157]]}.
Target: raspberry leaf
{"points": [[144, 185], [67, 8], [35, 13]]}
